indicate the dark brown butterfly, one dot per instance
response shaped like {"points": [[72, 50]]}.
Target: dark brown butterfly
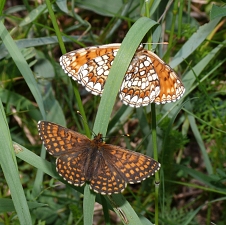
{"points": [[108, 168]]}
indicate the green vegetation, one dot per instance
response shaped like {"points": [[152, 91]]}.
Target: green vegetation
{"points": [[190, 133]]}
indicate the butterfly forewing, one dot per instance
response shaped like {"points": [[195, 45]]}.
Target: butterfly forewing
{"points": [[148, 78], [90, 66], [72, 62], [93, 73], [59, 140]]}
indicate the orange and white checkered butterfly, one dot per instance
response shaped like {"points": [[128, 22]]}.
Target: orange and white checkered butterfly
{"points": [[148, 79]]}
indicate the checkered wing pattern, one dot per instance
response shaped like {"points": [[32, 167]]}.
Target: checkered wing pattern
{"points": [[68, 146], [141, 84], [171, 87], [107, 179], [148, 78], [107, 168], [90, 66], [121, 166], [71, 168]]}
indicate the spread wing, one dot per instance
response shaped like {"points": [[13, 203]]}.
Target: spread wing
{"points": [[119, 166], [108, 168], [59, 140], [70, 147]]}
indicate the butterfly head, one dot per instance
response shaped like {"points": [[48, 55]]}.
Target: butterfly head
{"points": [[98, 138]]}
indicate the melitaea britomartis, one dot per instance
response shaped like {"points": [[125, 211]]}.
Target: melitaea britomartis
{"points": [[108, 168], [148, 78]]}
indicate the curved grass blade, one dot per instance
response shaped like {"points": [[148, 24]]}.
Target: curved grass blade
{"points": [[117, 72]]}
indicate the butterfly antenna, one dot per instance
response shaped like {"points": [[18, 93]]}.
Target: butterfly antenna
{"points": [[157, 43], [85, 122], [122, 135]]}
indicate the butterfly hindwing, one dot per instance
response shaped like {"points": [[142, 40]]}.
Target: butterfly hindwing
{"points": [[107, 179], [141, 85], [132, 166], [71, 168], [171, 87]]}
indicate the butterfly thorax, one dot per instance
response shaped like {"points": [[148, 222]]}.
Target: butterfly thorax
{"points": [[94, 158], [98, 138]]}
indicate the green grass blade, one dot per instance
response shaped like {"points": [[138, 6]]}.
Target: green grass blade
{"points": [[22, 66], [88, 205], [6, 205], [2, 4], [34, 42], [212, 183], [35, 160], [195, 212], [125, 211], [194, 42], [189, 80], [120, 117], [10, 170], [20, 102], [33, 15], [217, 11], [106, 8], [201, 144], [118, 70]]}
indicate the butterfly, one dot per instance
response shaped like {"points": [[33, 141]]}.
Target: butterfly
{"points": [[107, 168], [148, 78]]}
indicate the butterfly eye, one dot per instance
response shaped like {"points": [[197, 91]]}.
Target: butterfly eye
{"points": [[98, 138]]}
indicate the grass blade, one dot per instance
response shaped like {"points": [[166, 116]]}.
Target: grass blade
{"points": [[22, 66], [117, 72], [10, 170]]}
